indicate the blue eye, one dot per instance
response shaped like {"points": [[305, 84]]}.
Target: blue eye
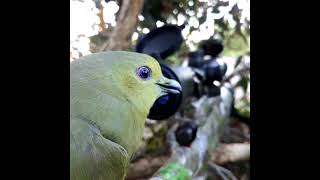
{"points": [[144, 72]]}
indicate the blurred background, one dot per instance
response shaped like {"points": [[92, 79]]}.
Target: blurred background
{"points": [[104, 25]]}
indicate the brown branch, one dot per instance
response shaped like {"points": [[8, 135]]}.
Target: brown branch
{"points": [[120, 37], [102, 24], [145, 167], [231, 153]]}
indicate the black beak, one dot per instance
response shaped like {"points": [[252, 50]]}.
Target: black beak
{"points": [[168, 102]]}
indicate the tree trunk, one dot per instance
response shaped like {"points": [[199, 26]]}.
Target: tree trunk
{"points": [[127, 20]]}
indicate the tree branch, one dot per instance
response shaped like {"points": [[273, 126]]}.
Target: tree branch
{"points": [[231, 153], [145, 167], [102, 24], [120, 37]]}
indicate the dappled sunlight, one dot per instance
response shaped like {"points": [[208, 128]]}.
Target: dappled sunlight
{"points": [[84, 22], [109, 11]]}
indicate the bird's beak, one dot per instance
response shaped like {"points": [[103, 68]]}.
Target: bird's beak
{"points": [[169, 86]]}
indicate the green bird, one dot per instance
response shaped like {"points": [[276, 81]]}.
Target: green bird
{"points": [[111, 94]]}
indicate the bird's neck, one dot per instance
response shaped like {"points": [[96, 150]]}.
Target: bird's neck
{"points": [[117, 119]]}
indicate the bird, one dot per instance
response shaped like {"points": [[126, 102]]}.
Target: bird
{"points": [[111, 94]]}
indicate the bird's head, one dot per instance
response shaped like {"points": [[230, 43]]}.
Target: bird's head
{"points": [[143, 82], [115, 90], [127, 76]]}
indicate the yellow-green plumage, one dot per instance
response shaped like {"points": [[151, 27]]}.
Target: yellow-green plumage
{"points": [[109, 104]]}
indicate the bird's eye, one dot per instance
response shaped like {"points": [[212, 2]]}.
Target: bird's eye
{"points": [[144, 72]]}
